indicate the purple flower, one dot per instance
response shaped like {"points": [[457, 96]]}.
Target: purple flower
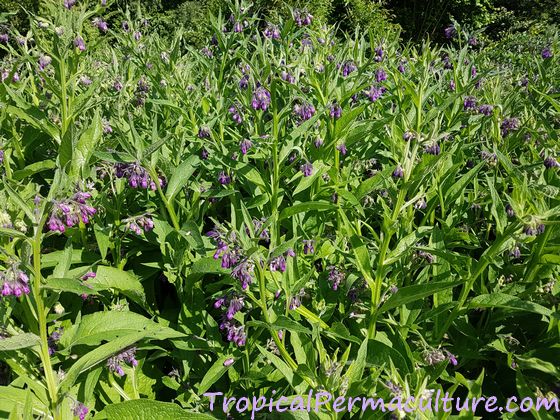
{"points": [[398, 172], [433, 149], [469, 103], [44, 61], [79, 410], [473, 42], [452, 359], [235, 305], [306, 169], [53, 340], [244, 82], [100, 24], [304, 111], [228, 362], [486, 110], [223, 178], [236, 113], [204, 154], [278, 264], [342, 149], [401, 68], [14, 281], [287, 77], [243, 272], [452, 85], [261, 99], [508, 125], [4, 38], [335, 111], [550, 162], [137, 176], [375, 92], [408, 135], [318, 142], [295, 302], [245, 145], [348, 67], [546, 53], [380, 75], [302, 18], [127, 356], [509, 210], [140, 224], [69, 3], [379, 54], [271, 31], [235, 332], [420, 204], [203, 132], [308, 246], [450, 32], [137, 35], [1, 156], [515, 252], [335, 277], [79, 43], [117, 85], [473, 72]]}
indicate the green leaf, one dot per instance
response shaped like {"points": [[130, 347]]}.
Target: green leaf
{"points": [[504, 301], [11, 397], [96, 356], [34, 168], [86, 144], [215, 372], [144, 409], [95, 328], [122, 281], [319, 168], [305, 207], [19, 341], [416, 292], [69, 285], [181, 176], [278, 364]]}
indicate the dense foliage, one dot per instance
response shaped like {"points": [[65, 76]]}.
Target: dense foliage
{"points": [[281, 210]]}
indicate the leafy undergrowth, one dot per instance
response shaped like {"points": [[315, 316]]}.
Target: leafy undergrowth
{"points": [[283, 211]]}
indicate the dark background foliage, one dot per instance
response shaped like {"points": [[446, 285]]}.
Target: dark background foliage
{"points": [[418, 19]]}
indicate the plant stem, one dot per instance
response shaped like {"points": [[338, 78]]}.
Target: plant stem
{"points": [[42, 319]]}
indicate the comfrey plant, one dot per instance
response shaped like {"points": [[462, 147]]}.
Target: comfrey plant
{"points": [[283, 209]]}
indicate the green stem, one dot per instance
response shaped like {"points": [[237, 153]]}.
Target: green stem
{"points": [[42, 319]]}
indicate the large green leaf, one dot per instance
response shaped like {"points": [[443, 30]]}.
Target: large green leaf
{"points": [[19, 341], [149, 410], [122, 281]]}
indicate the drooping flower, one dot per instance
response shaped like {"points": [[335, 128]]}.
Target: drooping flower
{"points": [[379, 54], [53, 340], [224, 178], [335, 111], [69, 3], [398, 172], [308, 246], [508, 125], [235, 332], [486, 110], [287, 77], [14, 281], [546, 53], [342, 149], [245, 145], [261, 99], [335, 277], [44, 62], [450, 32], [380, 75], [115, 363], [137, 176], [69, 212], [243, 272], [229, 362], [79, 410], [375, 92], [348, 67], [452, 85], [79, 43], [304, 111], [550, 162], [271, 31], [469, 103], [278, 264], [433, 149], [4, 38], [236, 113], [140, 224], [307, 169], [295, 302], [100, 24], [302, 17]]}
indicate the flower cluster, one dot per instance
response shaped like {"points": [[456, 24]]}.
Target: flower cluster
{"points": [[14, 281], [80, 410], [115, 363], [335, 277], [140, 224], [236, 113], [69, 212], [137, 176], [141, 93], [304, 111], [295, 302], [508, 125], [271, 31], [53, 340], [302, 17], [235, 332], [278, 263], [261, 99]]}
